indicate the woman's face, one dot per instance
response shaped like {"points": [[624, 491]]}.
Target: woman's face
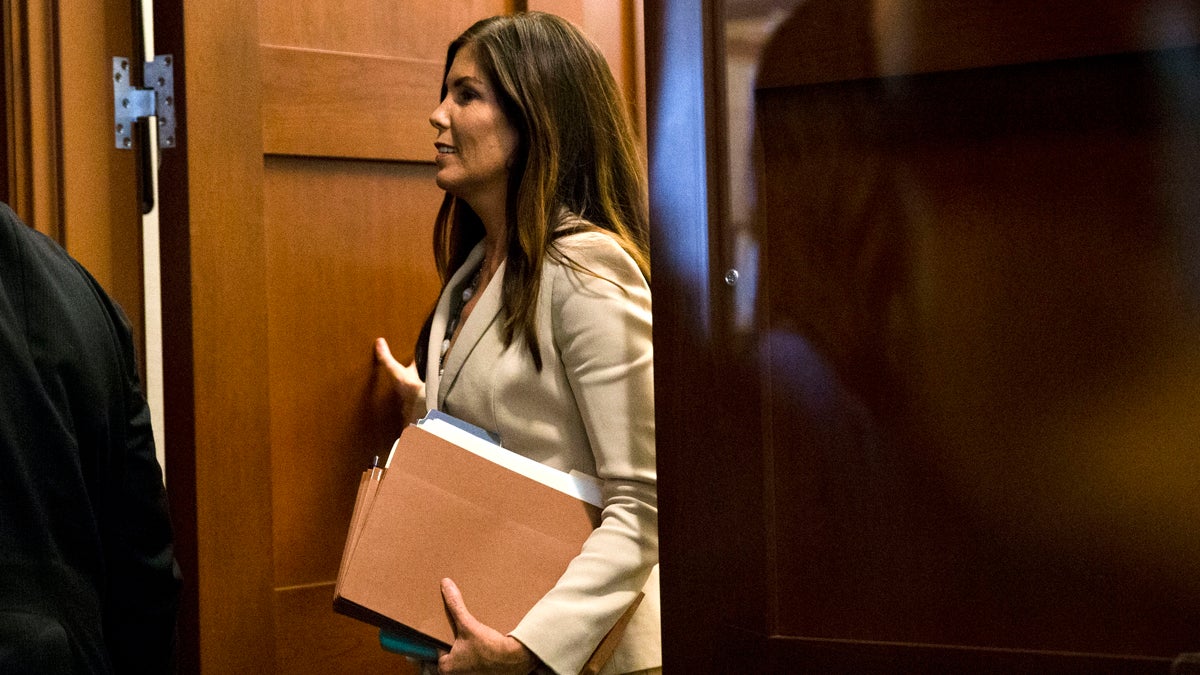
{"points": [[475, 141]]}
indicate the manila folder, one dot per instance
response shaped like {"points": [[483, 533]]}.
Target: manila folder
{"points": [[442, 511]]}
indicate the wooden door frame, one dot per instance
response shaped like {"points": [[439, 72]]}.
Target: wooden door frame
{"points": [[696, 350], [214, 309]]}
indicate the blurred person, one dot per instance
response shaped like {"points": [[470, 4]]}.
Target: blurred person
{"points": [[88, 579]]}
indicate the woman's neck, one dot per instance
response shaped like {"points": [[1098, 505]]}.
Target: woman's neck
{"points": [[495, 238], [494, 251]]}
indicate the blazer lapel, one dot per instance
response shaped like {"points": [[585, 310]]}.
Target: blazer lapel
{"points": [[483, 315], [439, 384], [437, 327]]}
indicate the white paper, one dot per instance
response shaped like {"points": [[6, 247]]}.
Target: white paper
{"points": [[576, 484]]}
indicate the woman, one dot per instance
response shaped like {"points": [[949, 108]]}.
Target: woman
{"points": [[542, 330]]}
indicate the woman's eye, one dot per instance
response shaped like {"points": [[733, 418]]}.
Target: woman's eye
{"points": [[466, 95]]}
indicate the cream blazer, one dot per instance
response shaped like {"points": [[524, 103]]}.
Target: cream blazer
{"points": [[591, 408]]}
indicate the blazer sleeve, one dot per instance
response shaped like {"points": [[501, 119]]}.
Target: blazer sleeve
{"points": [[601, 318], [145, 579]]}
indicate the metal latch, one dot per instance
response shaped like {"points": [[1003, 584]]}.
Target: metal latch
{"points": [[156, 99]]}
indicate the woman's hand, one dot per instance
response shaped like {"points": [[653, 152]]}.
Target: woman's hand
{"points": [[404, 378], [478, 648]]}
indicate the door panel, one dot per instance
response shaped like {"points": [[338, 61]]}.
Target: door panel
{"points": [[312, 639], [404, 29], [978, 337], [347, 261], [334, 104]]}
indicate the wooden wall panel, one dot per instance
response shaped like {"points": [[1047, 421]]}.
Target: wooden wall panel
{"points": [[63, 176], [348, 260], [333, 104], [373, 28], [981, 337]]}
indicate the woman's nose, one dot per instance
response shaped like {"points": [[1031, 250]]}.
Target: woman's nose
{"points": [[438, 118]]}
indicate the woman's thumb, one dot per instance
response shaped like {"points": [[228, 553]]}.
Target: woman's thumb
{"points": [[460, 618]]}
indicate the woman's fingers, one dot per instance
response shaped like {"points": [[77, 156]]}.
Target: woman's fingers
{"points": [[406, 378], [384, 355]]}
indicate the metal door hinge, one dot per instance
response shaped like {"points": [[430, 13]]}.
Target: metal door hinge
{"points": [[156, 99]]}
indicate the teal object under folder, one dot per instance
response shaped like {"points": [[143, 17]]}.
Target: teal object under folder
{"points": [[400, 644]]}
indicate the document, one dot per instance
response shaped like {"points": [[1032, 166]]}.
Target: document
{"points": [[450, 502]]}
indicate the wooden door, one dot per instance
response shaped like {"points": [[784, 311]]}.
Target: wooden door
{"points": [[296, 229], [952, 425]]}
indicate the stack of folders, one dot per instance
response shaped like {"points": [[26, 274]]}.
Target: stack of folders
{"points": [[450, 502]]}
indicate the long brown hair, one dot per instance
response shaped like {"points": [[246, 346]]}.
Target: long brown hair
{"points": [[577, 151]]}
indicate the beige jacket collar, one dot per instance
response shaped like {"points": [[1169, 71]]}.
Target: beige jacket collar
{"points": [[440, 378]]}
